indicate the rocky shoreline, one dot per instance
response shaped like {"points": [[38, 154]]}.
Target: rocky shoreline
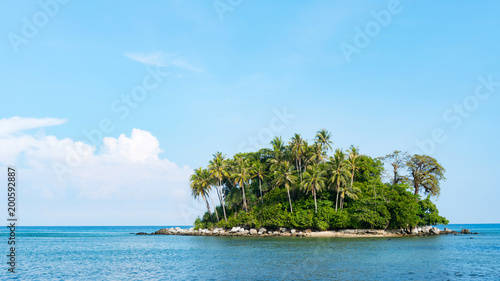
{"points": [[284, 232]]}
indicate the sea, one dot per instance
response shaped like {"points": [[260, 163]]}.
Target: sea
{"points": [[114, 253]]}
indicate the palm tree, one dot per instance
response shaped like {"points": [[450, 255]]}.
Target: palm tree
{"points": [[350, 191], [340, 172], [298, 149], [258, 171], [352, 160], [278, 153], [218, 171], [200, 186], [285, 175], [316, 153], [242, 177], [314, 181], [323, 139]]}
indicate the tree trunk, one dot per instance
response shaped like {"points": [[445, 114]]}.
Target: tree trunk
{"points": [[261, 196], [215, 209], [342, 200], [300, 169], [244, 198], [337, 200], [315, 204], [222, 200], [289, 199], [395, 180], [208, 207]]}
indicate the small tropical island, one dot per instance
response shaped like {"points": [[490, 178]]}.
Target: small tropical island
{"points": [[298, 188]]}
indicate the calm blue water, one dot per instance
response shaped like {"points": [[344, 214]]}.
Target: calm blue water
{"points": [[111, 253]]}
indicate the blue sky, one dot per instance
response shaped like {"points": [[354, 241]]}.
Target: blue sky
{"points": [[219, 75]]}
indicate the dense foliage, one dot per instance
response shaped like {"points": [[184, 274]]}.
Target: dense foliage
{"points": [[299, 185]]}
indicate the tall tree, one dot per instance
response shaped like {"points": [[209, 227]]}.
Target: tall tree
{"points": [[397, 160], [323, 138], [218, 171], [425, 173], [352, 160], [278, 154], [285, 175], [314, 181], [200, 186], [258, 171], [241, 177], [298, 149], [340, 173]]}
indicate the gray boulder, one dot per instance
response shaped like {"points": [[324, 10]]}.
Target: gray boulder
{"points": [[414, 230], [253, 231], [292, 231], [235, 229], [426, 229], [434, 231], [465, 231], [262, 230], [283, 229]]}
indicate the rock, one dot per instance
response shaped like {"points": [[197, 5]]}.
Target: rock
{"points": [[162, 231], [235, 229], [141, 233], [262, 230], [276, 233], [465, 231], [292, 231], [215, 231], [269, 232], [419, 229], [242, 230], [434, 230], [177, 228], [300, 232], [307, 231], [475, 233], [191, 229], [245, 231], [414, 230], [426, 229], [283, 229], [253, 231]]}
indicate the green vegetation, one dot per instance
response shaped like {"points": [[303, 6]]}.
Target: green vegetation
{"points": [[299, 185]]}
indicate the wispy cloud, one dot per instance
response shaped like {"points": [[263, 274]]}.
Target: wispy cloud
{"points": [[185, 65], [16, 124], [163, 60]]}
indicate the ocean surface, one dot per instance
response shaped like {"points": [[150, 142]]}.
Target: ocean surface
{"points": [[112, 253]]}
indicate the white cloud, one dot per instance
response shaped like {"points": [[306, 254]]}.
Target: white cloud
{"points": [[16, 124], [163, 60], [126, 174]]}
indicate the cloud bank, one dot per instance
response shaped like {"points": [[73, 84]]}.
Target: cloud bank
{"points": [[125, 183]]}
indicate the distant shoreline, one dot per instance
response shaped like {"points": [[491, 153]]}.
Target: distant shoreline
{"points": [[283, 232]]}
